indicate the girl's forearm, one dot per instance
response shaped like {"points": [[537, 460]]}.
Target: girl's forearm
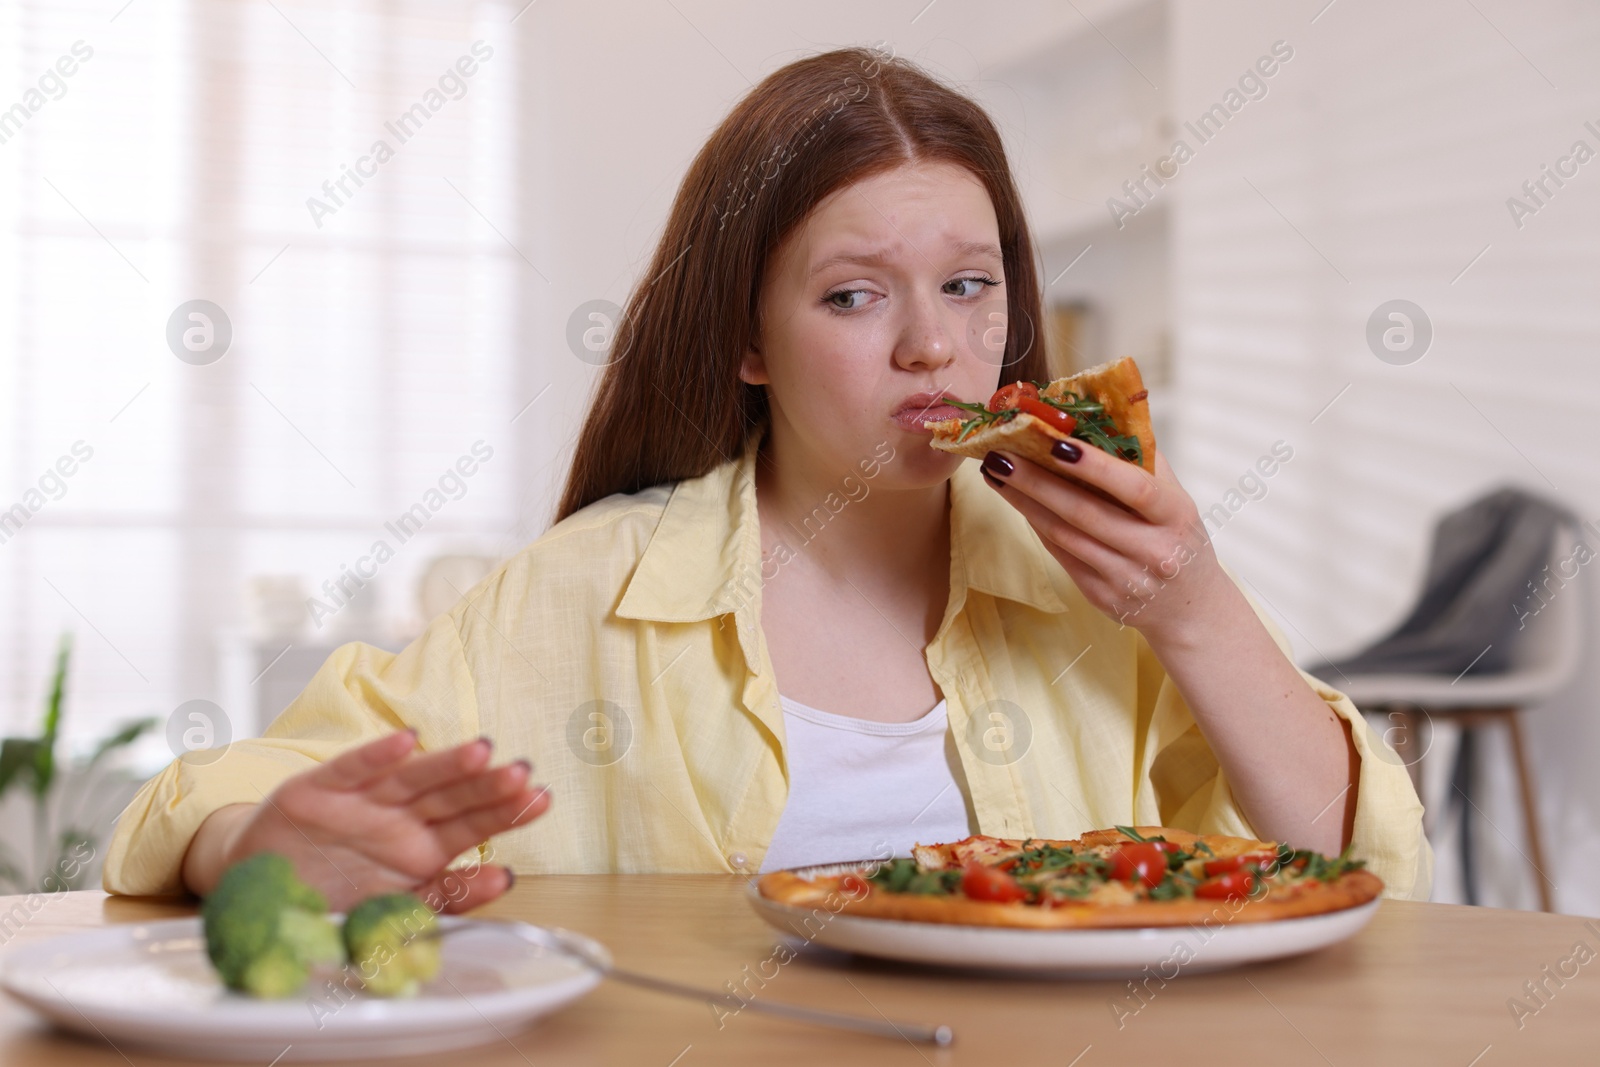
{"points": [[1289, 759], [207, 856]]}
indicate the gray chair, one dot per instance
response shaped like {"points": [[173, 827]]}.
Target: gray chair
{"points": [[1542, 660]]}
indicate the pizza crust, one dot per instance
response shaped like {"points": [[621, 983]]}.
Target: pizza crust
{"points": [[1119, 386]]}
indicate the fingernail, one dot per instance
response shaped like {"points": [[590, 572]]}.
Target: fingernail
{"points": [[1066, 451], [511, 877], [994, 483], [486, 741], [997, 465], [527, 767]]}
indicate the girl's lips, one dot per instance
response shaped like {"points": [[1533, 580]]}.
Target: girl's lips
{"points": [[914, 417]]}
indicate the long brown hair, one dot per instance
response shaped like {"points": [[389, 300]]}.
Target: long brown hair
{"points": [[670, 405]]}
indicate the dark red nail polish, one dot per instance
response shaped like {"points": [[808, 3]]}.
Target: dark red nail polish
{"points": [[1066, 451], [997, 465], [994, 483], [511, 878]]}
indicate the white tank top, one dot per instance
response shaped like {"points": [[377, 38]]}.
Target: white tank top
{"points": [[864, 790]]}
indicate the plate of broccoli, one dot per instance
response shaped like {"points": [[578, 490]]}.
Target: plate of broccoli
{"points": [[267, 973]]}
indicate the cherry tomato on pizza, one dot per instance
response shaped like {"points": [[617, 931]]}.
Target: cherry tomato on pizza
{"points": [[1047, 414], [1230, 886], [1143, 861], [1008, 395], [979, 882]]}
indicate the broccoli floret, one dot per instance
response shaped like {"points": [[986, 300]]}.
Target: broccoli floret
{"points": [[265, 929], [393, 944]]}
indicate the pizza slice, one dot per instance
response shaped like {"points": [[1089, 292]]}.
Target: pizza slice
{"points": [[1121, 877], [1106, 406]]}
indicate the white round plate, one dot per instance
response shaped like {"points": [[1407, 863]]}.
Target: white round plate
{"points": [[150, 985], [1165, 950]]}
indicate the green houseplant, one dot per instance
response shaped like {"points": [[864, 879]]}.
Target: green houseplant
{"points": [[62, 832]]}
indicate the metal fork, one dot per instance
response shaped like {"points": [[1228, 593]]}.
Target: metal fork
{"points": [[574, 945]]}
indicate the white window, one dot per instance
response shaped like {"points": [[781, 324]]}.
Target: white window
{"points": [[160, 153]]}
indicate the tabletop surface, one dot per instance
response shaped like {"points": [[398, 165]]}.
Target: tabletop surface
{"points": [[1422, 984]]}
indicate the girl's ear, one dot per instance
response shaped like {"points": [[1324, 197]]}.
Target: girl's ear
{"points": [[753, 368]]}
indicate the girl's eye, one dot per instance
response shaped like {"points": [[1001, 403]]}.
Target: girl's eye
{"points": [[846, 299], [968, 286]]}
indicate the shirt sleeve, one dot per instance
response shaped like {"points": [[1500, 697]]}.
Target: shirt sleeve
{"points": [[359, 694], [1191, 789]]}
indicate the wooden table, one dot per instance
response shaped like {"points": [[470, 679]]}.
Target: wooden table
{"points": [[1423, 984]]}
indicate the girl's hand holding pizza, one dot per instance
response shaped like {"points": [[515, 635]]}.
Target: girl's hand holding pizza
{"points": [[1137, 548]]}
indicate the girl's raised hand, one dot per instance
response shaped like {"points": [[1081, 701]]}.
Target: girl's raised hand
{"points": [[380, 819]]}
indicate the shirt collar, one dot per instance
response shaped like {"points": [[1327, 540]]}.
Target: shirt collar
{"points": [[704, 559]]}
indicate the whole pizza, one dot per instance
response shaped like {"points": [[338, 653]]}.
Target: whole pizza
{"points": [[1123, 877]]}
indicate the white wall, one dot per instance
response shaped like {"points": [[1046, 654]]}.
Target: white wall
{"points": [[1391, 142]]}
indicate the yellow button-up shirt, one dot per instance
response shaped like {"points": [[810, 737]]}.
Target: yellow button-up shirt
{"points": [[622, 653]]}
